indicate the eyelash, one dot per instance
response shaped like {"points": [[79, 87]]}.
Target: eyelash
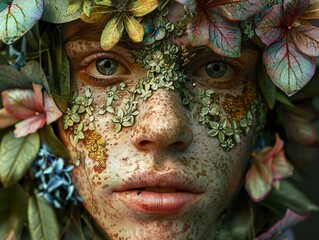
{"points": [[99, 81]]}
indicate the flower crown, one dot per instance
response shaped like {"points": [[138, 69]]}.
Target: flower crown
{"points": [[34, 81]]}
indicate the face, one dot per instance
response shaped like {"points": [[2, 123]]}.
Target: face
{"points": [[160, 150]]}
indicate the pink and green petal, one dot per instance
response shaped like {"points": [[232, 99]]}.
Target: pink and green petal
{"points": [[134, 29], [293, 9], [112, 33], [6, 119], [29, 125], [52, 111], [224, 36], [258, 181], [289, 69], [279, 143], [140, 8], [21, 103], [270, 28], [240, 11], [281, 167], [198, 30], [307, 40]]}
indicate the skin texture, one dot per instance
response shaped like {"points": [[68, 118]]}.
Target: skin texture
{"points": [[166, 143]]}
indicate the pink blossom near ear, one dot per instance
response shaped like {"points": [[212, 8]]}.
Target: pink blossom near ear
{"points": [[290, 219], [268, 166], [32, 109]]}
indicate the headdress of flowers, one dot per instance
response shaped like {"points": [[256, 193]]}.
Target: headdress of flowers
{"points": [[34, 84]]}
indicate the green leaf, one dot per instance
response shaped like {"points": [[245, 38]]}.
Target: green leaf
{"points": [[14, 207], [11, 78], [53, 142], [289, 196], [34, 73], [74, 228], [57, 11], [42, 220], [280, 97], [16, 156], [112, 33], [268, 89], [74, 6], [59, 72], [18, 18]]}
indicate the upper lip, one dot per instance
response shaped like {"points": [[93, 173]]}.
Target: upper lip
{"points": [[172, 179]]}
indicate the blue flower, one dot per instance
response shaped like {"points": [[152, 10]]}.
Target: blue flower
{"points": [[55, 182]]}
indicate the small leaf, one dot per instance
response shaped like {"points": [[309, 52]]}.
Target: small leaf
{"points": [[59, 72], [34, 73], [287, 67], [13, 208], [74, 228], [74, 6], [18, 18], [43, 223], [56, 11], [134, 29], [140, 8], [53, 142], [112, 33], [16, 156]]}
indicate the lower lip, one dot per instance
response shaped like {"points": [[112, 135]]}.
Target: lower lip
{"points": [[157, 203]]}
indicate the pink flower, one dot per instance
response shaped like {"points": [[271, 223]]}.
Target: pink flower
{"points": [[28, 109], [268, 166]]}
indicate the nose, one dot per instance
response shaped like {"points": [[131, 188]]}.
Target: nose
{"points": [[162, 123]]}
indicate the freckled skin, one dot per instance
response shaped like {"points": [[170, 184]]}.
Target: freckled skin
{"points": [[166, 137]]}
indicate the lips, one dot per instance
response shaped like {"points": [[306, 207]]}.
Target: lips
{"points": [[158, 193]]}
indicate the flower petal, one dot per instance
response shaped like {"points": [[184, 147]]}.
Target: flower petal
{"points": [[134, 29], [281, 167], [225, 36], [294, 9], [22, 103], [288, 68], [239, 11], [140, 8], [30, 125], [279, 143], [6, 119], [52, 111], [307, 40], [258, 181]]}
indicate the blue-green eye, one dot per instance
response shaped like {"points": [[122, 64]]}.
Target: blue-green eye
{"points": [[107, 66], [216, 69]]}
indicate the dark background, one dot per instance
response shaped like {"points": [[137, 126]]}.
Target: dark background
{"points": [[309, 229]]}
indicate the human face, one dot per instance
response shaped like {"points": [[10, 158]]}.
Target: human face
{"points": [[164, 171]]}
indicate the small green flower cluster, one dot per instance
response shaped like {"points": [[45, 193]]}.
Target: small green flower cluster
{"points": [[79, 118]]}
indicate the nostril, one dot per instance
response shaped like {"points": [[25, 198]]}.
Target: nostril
{"points": [[179, 145], [145, 143]]}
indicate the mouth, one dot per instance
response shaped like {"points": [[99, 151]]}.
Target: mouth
{"points": [[158, 195]]}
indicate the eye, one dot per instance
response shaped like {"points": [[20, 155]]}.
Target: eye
{"points": [[103, 69], [216, 69], [216, 74], [106, 66]]}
